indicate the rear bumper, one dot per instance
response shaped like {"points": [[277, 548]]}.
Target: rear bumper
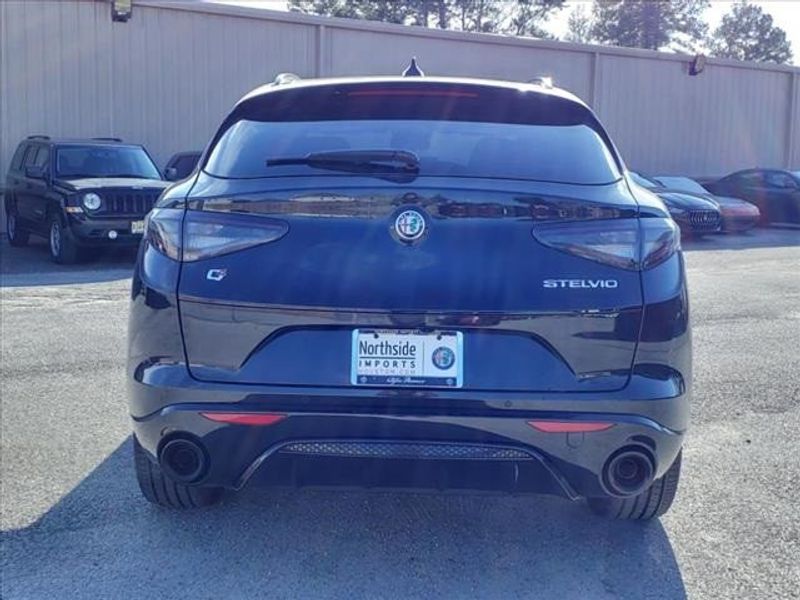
{"points": [[385, 442], [488, 444]]}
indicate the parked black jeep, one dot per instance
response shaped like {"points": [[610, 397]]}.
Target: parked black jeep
{"points": [[79, 193]]}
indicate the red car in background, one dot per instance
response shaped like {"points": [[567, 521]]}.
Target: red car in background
{"points": [[776, 193]]}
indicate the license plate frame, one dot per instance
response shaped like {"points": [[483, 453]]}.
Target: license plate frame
{"points": [[438, 358]]}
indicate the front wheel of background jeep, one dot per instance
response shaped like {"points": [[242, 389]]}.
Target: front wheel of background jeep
{"points": [[159, 489], [63, 248], [651, 503], [16, 236]]}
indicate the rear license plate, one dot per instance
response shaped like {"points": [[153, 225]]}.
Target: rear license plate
{"points": [[137, 226], [407, 358]]}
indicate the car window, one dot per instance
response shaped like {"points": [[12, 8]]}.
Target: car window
{"points": [[41, 157], [453, 135], [19, 155], [30, 155], [185, 164], [104, 161], [775, 179], [752, 178]]}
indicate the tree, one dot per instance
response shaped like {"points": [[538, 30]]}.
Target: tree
{"points": [[652, 24], [528, 15], [514, 17], [477, 15], [579, 26], [330, 8], [748, 33], [389, 11]]}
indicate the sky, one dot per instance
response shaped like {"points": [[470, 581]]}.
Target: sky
{"points": [[785, 13]]}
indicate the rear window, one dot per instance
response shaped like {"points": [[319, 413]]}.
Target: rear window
{"points": [[455, 133], [185, 164]]}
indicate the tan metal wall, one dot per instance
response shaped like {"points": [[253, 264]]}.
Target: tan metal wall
{"points": [[167, 77]]}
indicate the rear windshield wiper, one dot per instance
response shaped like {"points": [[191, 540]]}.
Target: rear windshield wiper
{"points": [[372, 162]]}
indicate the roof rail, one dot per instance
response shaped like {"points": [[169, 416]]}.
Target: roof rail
{"points": [[38, 137], [544, 81], [285, 78], [107, 139]]}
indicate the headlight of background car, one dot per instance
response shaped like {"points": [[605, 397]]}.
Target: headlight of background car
{"points": [[92, 201]]}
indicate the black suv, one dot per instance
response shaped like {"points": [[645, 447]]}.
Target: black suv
{"points": [[79, 193]]}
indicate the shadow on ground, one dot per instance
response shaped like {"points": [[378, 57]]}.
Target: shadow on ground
{"points": [[31, 266], [102, 540]]}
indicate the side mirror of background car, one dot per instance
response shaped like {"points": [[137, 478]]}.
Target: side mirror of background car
{"points": [[35, 172], [170, 173]]}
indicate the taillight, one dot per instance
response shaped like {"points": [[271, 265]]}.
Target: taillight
{"points": [[660, 239], [208, 233], [631, 244], [163, 231]]}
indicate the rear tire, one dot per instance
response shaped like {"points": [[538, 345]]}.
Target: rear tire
{"points": [[651, 503], [159, 489], [16, 237], [63, 249]]}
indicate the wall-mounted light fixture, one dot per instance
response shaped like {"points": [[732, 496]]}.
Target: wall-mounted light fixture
{"points": [[121, 10], [697, 65]]}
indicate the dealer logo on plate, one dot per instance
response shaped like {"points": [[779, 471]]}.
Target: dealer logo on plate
{"points": [[443, 358], [409, 225]]}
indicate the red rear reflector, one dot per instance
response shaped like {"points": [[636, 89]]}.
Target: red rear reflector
{"points": [[244, 418], [434, 93], [569, 426]]}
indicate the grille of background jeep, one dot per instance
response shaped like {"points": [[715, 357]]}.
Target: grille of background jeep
{"points": [[126, 202]]}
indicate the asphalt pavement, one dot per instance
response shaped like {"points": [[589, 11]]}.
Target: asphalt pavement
{"points": [[75, 526]]}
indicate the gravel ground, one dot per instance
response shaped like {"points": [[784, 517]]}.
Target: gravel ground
{"points": [[74, 525]]}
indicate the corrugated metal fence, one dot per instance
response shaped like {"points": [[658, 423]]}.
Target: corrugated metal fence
{"points": [[168, 76]]}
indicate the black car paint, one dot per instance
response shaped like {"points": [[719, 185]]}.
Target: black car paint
{"points": [[625, 358]]}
